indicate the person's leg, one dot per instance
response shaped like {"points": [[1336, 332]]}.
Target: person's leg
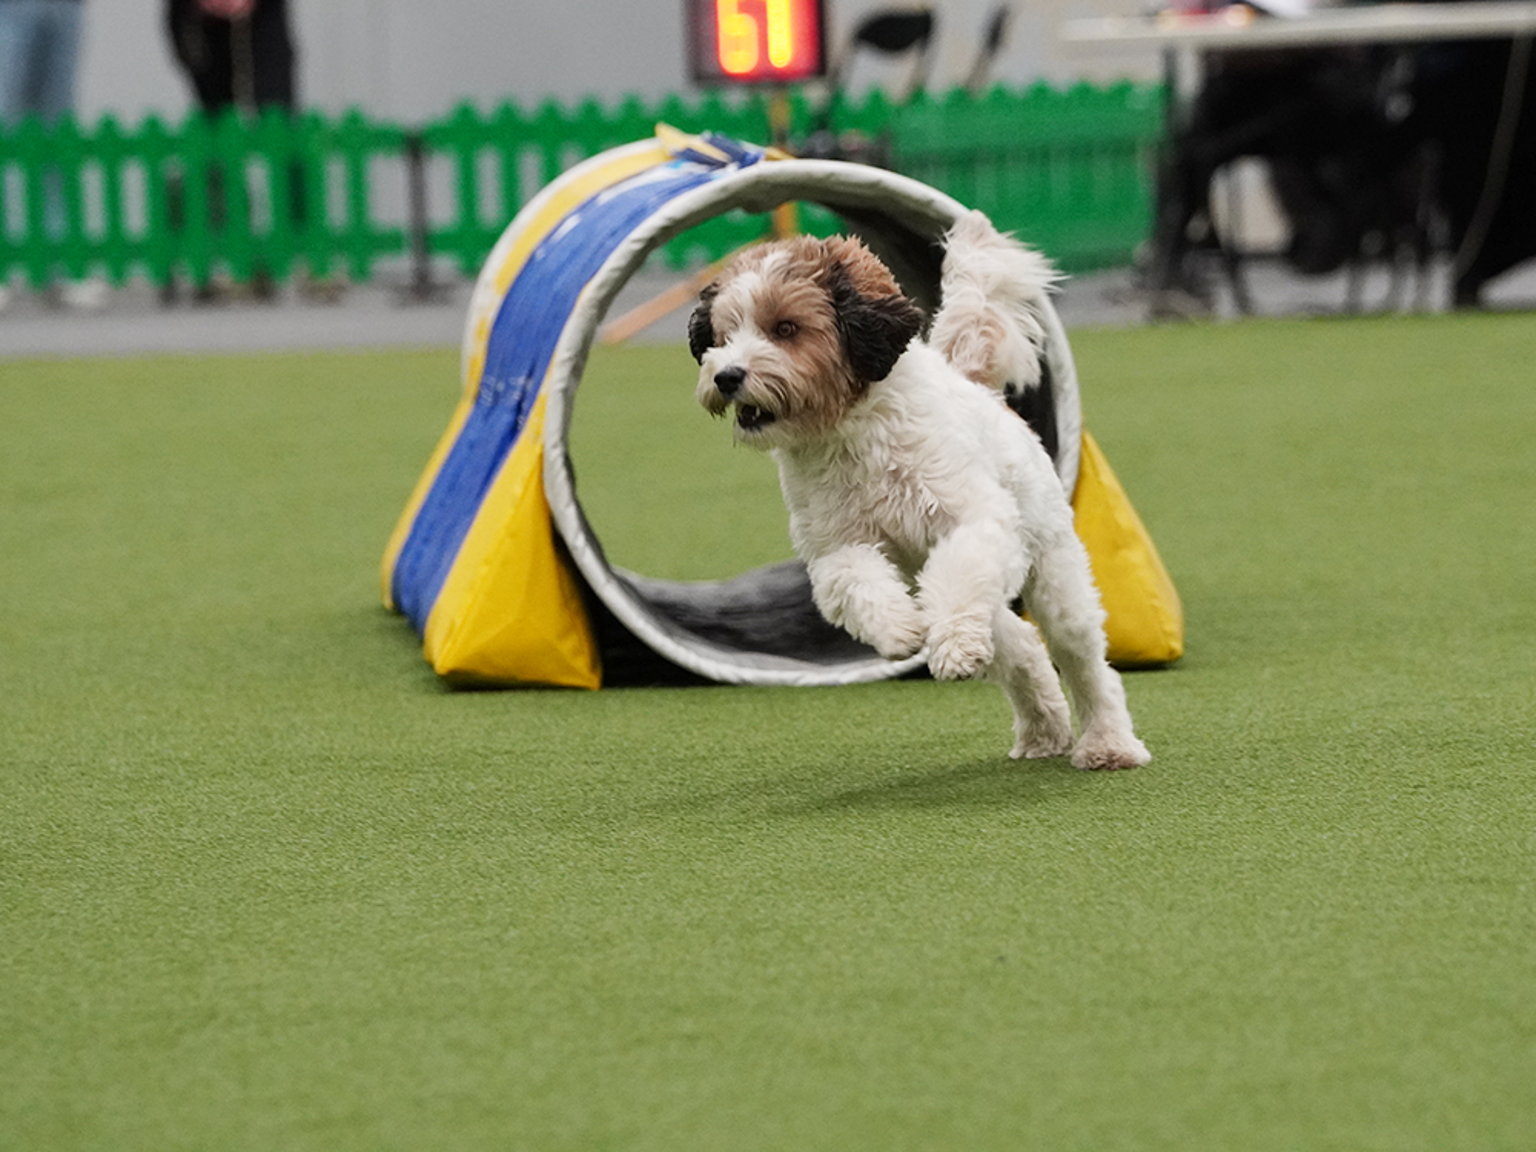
{"points": [[58, 51], [53, 92]]}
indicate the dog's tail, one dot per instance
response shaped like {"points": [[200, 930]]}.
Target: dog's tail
{"points": [[993, 295]]}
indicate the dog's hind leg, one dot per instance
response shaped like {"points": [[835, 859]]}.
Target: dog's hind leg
{"points": [[1042, 722], [1063, 601]]}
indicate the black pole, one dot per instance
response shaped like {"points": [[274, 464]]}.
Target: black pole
{"points": [[421, 287]]}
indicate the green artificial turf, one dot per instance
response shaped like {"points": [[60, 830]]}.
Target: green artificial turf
{"points": [[265, 884]]}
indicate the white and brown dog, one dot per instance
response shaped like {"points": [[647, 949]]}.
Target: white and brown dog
{"points": [[922, 506]]}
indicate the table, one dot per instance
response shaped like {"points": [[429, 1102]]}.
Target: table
{"points": [[1187, 37], [1240, 28]]}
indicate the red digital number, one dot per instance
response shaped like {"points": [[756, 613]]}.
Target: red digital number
{"points": [[754, 41]]}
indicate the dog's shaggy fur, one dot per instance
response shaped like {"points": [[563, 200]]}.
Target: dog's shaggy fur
{"points": [[921, 505]]}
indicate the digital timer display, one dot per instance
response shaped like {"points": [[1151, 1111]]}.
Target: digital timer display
{"points": [[756, 41]]}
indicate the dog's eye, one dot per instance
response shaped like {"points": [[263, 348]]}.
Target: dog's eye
{"points": [[785, 329]]}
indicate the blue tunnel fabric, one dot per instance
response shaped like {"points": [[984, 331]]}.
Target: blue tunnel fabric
{"points": [[522, 340]]}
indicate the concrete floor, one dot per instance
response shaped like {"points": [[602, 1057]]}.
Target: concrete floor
{"points": [[134, 320]]}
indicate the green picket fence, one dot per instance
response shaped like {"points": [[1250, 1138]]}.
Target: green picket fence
{"points": [[234, 194], [240, 196], [1071, 171]]}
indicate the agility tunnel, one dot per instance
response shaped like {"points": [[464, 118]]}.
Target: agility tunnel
{"points": [[493, 560]]}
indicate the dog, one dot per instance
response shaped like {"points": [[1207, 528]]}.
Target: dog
{"points": [[922, 506]]}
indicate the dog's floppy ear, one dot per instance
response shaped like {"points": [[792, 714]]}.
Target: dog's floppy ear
{"points": [[875, 329], [701, 329]]}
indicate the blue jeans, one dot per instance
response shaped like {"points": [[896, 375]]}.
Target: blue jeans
{"points": [[39, 41]]}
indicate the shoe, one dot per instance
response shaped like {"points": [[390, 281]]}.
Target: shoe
{"points": [[84, 295]]}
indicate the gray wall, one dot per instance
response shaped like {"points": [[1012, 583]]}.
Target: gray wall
{"points": [[411, 60]]}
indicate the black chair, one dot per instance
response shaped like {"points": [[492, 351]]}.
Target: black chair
{"points": [[891, 33], [887, 33]]}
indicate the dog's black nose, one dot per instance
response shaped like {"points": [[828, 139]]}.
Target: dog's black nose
{"points": [[729, 380]]}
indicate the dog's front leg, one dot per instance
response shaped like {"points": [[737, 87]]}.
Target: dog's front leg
{"points": [[856, 588], [969, 575]]}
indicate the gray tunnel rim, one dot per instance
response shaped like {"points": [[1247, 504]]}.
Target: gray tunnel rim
{"points": [[757, 188]]}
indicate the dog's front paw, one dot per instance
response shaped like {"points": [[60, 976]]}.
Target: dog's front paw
{"points": [[1109, 751], [959, 647], [898, 634]]}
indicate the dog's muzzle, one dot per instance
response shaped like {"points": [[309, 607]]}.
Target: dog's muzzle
{"points": [[749, 417]]}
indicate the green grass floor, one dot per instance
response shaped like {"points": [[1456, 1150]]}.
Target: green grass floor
{"points": [[265, 884]]}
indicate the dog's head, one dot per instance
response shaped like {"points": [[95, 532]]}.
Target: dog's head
{"points": [[792, 334]]}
